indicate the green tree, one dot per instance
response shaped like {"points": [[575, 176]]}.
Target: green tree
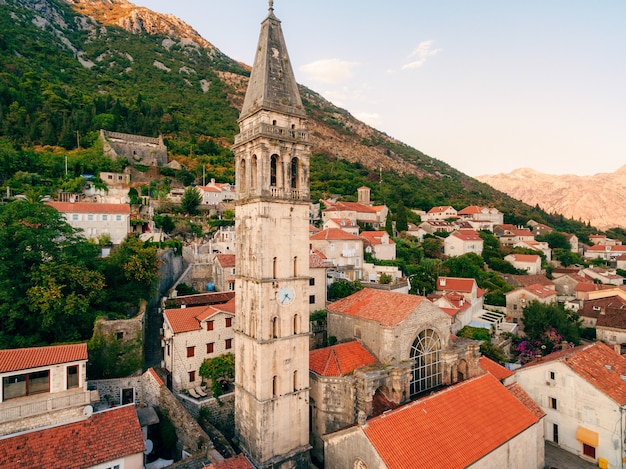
{"points": [[556, 240], [40, 254], [191, 200], [342, 288], [466, 266], [389, 224], [110, 357], [549, 324], [220, 371], [401, 218]]}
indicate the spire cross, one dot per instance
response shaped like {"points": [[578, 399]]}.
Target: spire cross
{"points": [[271, 5]]}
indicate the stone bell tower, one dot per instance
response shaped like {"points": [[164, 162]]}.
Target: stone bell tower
{"points": [[272, 155]]}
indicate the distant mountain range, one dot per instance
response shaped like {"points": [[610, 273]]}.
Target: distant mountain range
{"points": [[598, 199]]}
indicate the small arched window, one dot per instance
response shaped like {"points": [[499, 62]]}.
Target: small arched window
{"points": [[274, 268], [296, 324], [275, 330], [242, 175], [293, 176], [253, 172], [295, 266], [295, 380], [275, 386], [274, 170]]}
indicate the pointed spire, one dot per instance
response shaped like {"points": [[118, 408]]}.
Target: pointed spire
{"points": [[272, 84]]}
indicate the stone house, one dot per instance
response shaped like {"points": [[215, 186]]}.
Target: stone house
{"points": [[192, 334], [96, 219], [440, 213], [620, 262], [42, 386], [602, 240], [530, 263], [457, 307], [540, 246], [451, 428], [466, 287], [573, 241], [604, 276], [216, 193], [111, 438], [539, 229], [513, 236], [137, 149], [608, 317], [342, 249], [566, 284], [344, 224], [433, 226], [606, 252], [489, 215], [462, 242], [583, 393], [379, 245], [373, 216], [224, 272], [318, 265], [519, 298]]}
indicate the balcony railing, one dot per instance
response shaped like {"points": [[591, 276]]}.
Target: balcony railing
{"points": [[272, 131], [31, 406]]}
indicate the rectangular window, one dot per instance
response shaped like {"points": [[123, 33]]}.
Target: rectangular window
{"points": [[555, 433], [231, 286], [589, 451], [209, 347], [75, 217], [233, 271], [118, 217], [90, 217], [72, 377], [553, 403], [311, 299], [229, 344], [26, 384], [105, 217], [209, 325], [229, 322], [552, 375], [312, 281], [191, 351], [192, 376]]}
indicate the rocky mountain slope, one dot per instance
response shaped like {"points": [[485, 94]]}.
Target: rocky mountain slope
{"points": [[597, 199]]}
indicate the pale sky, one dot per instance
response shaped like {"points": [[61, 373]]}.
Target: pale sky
{"points": [[486, 86]]}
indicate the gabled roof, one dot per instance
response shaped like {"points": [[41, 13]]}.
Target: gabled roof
{"points": [[441, 209], [455, 284], [358, 207], [317, 260], [455, 303], [471, 210], [540, 291], [467, 235], [339, 359], [334, 234], [459, 425], [531, 258], [236, 462], [200, 299], [104, 436], [226, 260], [497, 370], [34, 357], [597, 363], [376, 237], [386, 308], [189, 319], [525, 399], [89, 207], [532, 280]]}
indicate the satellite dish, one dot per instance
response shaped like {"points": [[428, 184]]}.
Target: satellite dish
{"points": [[87, 411], [149, 446]]}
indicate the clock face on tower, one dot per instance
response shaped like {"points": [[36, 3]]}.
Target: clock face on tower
{"points": [[285, 296]]}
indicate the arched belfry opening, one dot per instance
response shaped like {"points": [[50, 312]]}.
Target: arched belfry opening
{"points": [[253, 173], [428, 369], [274, 170], [294, 174]]}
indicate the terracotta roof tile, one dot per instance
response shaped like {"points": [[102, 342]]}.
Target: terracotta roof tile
{"points": [[236, 462], [525, 257], [226, 260], [497, 370], [186, 319], [539, 291], [33, 357], [525, 399], [334, 234], [156, 377], [89, 207], [203, 298], [386, 308], [458, 425], [103, 437], [455, 284], [376, 237], [339, 359]]}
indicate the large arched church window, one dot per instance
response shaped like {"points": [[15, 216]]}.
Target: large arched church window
{"points": [[427, 370], [242, 175], [293, 176], [273, 170]]}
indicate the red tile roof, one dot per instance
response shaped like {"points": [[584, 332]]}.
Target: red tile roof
{"points": [[103, 437], [25, 358], [340, 359], [357, 207], [89, 207], [236, 462], [226, 260], [156, 377], [497, 370], [203, 298], [525, 257], [539, 291], [187, 319], [332, 234], [376, 237], [317, 260], [440, 209], [467, 235], [386, 308], [455, 284], [525, 399], [470, 210], [458, 425]]}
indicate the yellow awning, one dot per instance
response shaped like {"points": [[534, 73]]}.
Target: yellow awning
{"points": [[586, 436]]}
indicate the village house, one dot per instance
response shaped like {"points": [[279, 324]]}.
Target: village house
{"points": [[607, 252], [602, 240], [566, 284], [137, 149], [609, 312], [224, 272], [345, 224], [192, 334], [462, 242], [604, 276], [526, 280], [362, 211], [318, 264], [216, 193], [342, 249], [97, 220], [110, 438], [583, 393], [490, 215], [379, 245], [540, 246], [416, 231], [530, 263], [433, 226], [519, 298], [452, 428], [513, 236], [440, 213], [620, 262], [457, 307], [539, 229], [468, 288], [42, 386], [573, 242]]}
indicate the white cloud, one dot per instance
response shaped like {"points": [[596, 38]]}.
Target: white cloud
{"points": [[328, 70], [423, 52]]}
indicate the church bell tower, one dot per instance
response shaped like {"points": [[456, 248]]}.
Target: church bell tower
{"points": [[272, 155]]}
